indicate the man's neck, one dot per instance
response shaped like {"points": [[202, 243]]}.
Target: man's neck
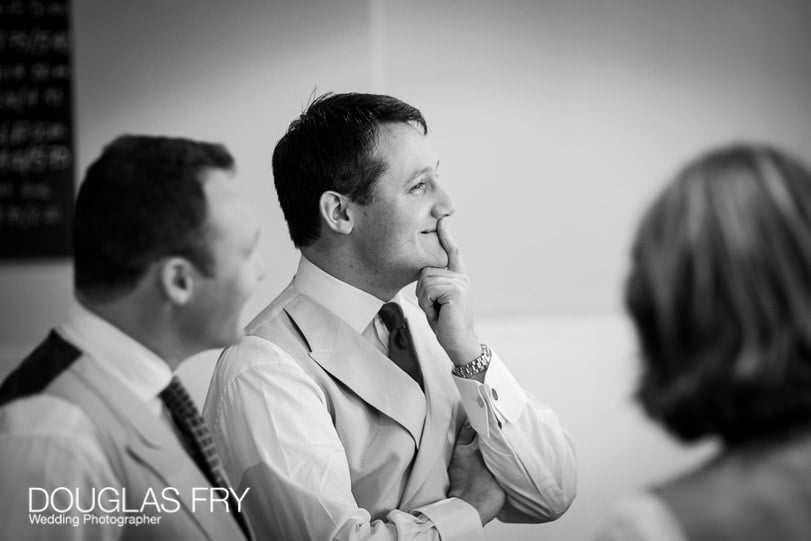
{"points": [[349, 271], [146, 329]]}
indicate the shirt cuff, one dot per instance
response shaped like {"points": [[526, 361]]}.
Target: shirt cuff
{"points": [[499, 396], [454, 520]]}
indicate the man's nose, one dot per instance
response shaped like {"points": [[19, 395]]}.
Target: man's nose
{"points": [[443, 206]]}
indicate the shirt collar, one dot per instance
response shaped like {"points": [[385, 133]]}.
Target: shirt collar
{"points": [[354, 306], [115, 352]]}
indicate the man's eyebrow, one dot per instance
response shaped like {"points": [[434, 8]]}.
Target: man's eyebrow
{"points": [[423, 171]]}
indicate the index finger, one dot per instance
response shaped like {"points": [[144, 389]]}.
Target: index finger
{"points": [[455, 263]]}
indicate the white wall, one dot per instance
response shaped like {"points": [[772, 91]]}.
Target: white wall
{"points": [[555, 122]]}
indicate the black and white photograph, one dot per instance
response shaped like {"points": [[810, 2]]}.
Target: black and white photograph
{"points": [[405, 270]]}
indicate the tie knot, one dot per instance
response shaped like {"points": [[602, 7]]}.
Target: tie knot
{"points": [[392, 316], [178, 399]]}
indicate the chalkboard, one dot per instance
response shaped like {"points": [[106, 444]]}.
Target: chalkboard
{"points": [[36, 132]]}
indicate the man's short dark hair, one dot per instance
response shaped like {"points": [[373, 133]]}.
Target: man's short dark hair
{"points": [[141, 200], [720, 294], [331, 147]]}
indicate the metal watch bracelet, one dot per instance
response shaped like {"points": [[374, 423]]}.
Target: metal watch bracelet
{"points": [[476, 366]]}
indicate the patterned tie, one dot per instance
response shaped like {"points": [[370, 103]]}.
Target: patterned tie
{"points": [[198, 442], [401, 347]]}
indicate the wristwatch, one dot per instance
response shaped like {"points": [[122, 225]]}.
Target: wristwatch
{"points": [[476, 366]]}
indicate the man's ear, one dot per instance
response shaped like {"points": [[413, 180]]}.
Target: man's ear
{"points": [[177, 279], [334, 209]]}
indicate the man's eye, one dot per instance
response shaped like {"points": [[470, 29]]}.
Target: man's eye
{"points": [[418, 187]]}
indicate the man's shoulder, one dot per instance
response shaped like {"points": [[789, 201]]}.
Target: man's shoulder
{"points": [[40, 368], [251, 352], [61, 392], [271, 339], [45, 419], [290, 321], [271, 313], [43, 414], [280, 338], [46, 397]]}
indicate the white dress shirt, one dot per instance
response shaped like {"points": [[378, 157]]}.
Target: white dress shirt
{"points": [[47, 442], [117, 354], [269, 411]]}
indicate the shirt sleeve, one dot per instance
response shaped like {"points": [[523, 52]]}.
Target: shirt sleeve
{"points": [[49, 461], [272, 424], [641, 518], [523, 444]]}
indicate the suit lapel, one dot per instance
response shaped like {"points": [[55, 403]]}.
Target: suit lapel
{"points": [[156, 446], [349, 357], [442, 397]]}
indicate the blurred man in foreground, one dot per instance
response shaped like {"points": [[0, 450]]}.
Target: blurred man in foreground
{"points": [[98, 439]]}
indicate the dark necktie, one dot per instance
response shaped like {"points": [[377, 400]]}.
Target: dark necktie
{"points": [[198, 442], [401, 347]]}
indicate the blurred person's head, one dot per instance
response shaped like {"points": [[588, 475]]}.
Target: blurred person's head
{"points": [[164, 245], [358, 185], [720, 294]]}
